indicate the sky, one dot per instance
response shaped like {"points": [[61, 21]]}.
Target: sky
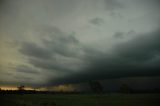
{"points": [[49, 42]]}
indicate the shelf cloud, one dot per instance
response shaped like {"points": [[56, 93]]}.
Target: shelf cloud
{"points": [[69, 41]]}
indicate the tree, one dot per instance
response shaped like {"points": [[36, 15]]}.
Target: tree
{"points": [[96, 86], [21, 88], [125, 88]]}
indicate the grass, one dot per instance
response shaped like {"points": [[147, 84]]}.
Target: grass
{"points": [[80, 100]]}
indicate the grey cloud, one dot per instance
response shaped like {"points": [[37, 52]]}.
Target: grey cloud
{"points": [[75, 57], [2, 2], [119, 35], [130, 58], [58, 52], [143, 47], [24, 79], [123, 35], [97, 21], [33, 50], [113, 4], [138, 57], [25, 69], [54, 41], [51, 64], [58, 41]]}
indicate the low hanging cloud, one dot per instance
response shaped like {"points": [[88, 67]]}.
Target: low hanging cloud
{"points": [[57, 53], [111, 39], [138, 57], [25, 69]]}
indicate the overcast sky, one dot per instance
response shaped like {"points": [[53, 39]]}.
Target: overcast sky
{"points": [[47, 42]]}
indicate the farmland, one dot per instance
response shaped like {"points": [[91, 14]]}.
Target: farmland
{"points": [[80, 100]]}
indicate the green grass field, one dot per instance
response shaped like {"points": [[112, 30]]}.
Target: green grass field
{"points": [[80, 100]]}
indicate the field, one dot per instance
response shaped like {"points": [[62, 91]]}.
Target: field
{"points": [[80, 100]]}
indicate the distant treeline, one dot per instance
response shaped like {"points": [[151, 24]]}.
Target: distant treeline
{"points": [[25, 92], [21, 92], [95, 87]]}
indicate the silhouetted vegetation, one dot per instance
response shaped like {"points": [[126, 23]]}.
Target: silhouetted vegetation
{"points": [[21, 87], [51, 98], [96, 87], [125, 88]]}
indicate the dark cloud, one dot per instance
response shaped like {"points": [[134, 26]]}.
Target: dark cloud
{"points": [[42, 32], [2, 2], [36, 51], [58, 41], [24, 79], [51, 64], [25, 69], [131, 58], [58, 52], [54, 41], [145, 47], [137, 57]]}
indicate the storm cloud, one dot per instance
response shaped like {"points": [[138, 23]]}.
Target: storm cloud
{"points": [[65, 41], [137, 57]]}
